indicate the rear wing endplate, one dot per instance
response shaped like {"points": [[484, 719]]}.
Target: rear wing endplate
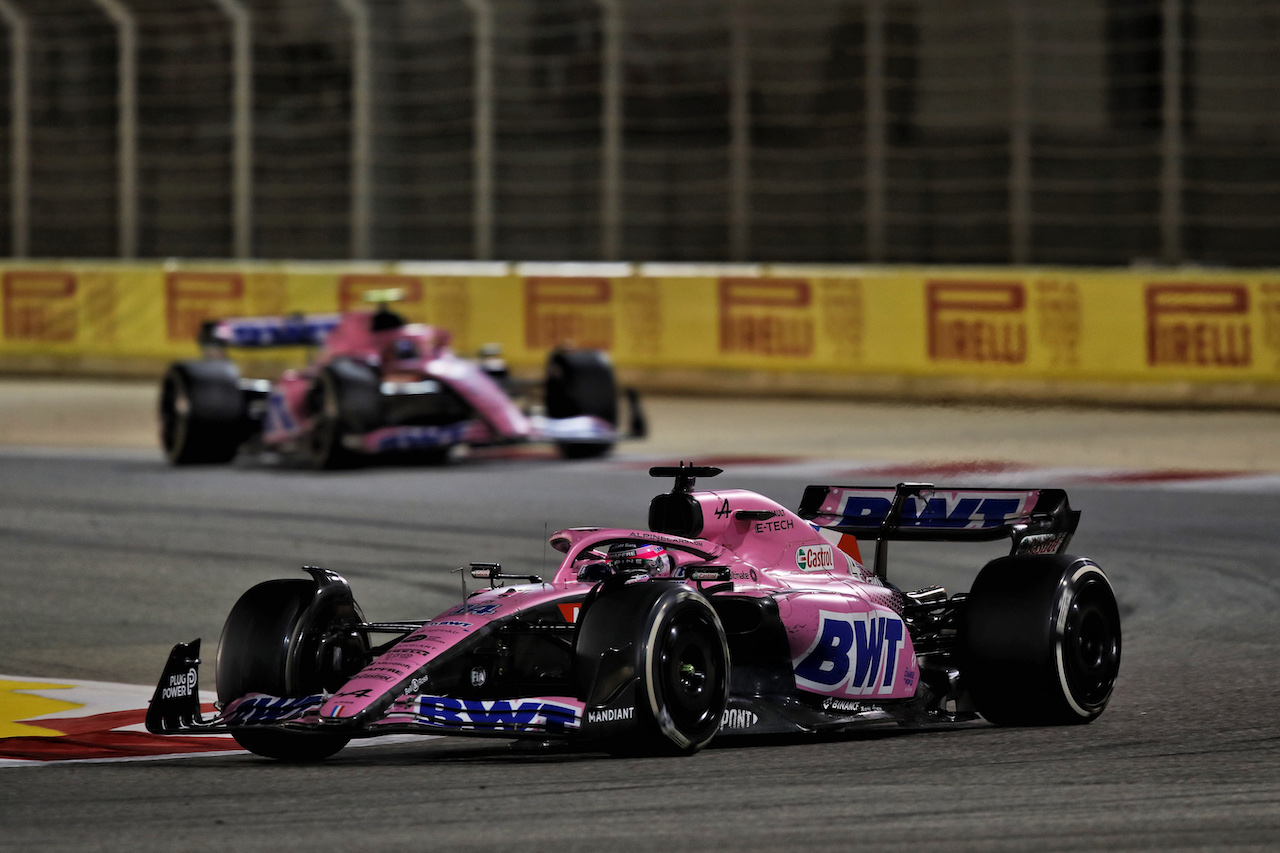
{"points": [[291, 330], [1039, 521]]}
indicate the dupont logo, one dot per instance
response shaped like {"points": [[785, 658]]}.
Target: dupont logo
{"points": [[40, 306], [815, 558], [977, 322], [568, 311], [1198, 325], [190, 298], [770, 317], [352, 290]]}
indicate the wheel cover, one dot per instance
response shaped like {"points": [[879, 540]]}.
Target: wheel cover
{"points": [[1090, 645], [175, 412], [329, 654], [689, 672], [324, 430]]}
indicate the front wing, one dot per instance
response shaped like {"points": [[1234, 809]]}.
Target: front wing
{"points": [[175, 709]]}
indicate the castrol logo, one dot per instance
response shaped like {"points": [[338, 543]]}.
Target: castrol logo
{"points": [[815, 558]]}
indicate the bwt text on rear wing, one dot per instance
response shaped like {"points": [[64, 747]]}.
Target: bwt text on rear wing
{"points": [[293, 330], [1039, 521]]}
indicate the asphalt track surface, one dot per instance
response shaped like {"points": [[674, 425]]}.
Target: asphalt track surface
{"points": [[108, 557]]}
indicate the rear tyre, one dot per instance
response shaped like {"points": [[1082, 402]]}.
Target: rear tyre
{"points": [[203, 414], [673, 645], [280, 640], [345, 401], [581, 382], [1040, 641]]}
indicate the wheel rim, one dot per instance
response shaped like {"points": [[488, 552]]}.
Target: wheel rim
{"points": [[339, 654], [175, 413], [689, 671], [324, 432], [1091, 644], [325, 650]]}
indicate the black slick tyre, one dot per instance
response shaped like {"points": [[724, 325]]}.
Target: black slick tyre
{"points": [[279, 640], [669, 640], [581, 382], [345, 400], [203, 413], [1040, 641]]}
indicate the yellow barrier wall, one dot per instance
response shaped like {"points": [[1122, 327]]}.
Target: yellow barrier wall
{"points": [[1196, 327]]}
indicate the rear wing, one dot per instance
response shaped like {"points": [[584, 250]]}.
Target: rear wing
{"points": [[292, 330], [1039, 521]]}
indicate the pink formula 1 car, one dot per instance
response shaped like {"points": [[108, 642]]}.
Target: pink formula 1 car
{"points": [[730, 615], [379, 385]]}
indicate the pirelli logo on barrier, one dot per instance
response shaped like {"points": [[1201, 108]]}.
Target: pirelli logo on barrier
{"points": [[766, 316], [40, 307], [568, 311], [1198, 325], [190, 298], [977, 322], [352, 291]]}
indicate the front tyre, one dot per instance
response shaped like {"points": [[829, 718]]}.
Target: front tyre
{"points": [[281, 639], [685, 674], [1040, 641], [674, 647], [345, 401]]}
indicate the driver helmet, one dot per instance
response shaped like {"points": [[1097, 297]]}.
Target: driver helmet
{"points": [[639, 558]]}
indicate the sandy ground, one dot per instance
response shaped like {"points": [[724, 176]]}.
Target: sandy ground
{"points": [[117, 414]]}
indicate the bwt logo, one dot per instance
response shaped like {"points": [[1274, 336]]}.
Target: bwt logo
{"points": [[954, 511], [513, 714], [190, 298], [1198, 325], [352, 290], [815, 558], [855, 653], [770, 317], [979, 322], [40, 306], [272, 709], [568, 311]]}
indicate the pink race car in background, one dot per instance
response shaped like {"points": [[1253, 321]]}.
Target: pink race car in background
{"points": [[380, 385], [730, 615]]}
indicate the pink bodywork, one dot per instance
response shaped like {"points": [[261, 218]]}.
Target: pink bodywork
{"points": [[499, 418], [844, 628]]}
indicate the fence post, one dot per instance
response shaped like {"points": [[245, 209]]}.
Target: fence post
{"points": [[739, 134], [1171, 136], [482, 146], [19, 130], [361, 128], [242, 126], [874, 179], [611, 82], [1019, 136], [127, 122]]}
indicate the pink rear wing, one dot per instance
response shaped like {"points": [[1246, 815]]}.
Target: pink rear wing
{"points": [[283, 331], [1037, 520]]}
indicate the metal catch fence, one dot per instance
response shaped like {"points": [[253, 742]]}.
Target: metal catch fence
{"points": [[983, 131]]}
